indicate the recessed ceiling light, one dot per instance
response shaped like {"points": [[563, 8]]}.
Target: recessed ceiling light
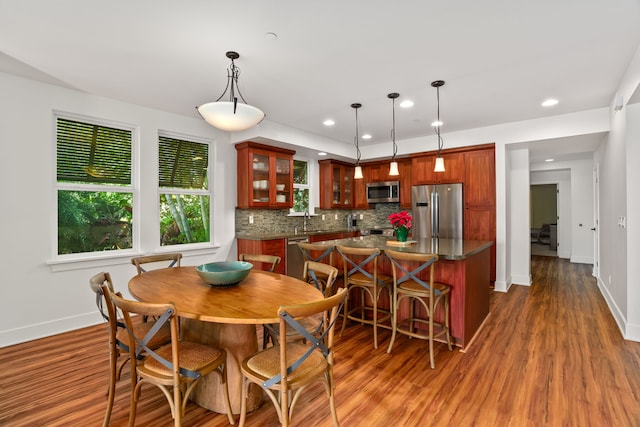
{"points": [[322, 153], [328, 122], [549, 102], [436, 123], [549, 160], [366, 136], [406, 103], [270, 36]]}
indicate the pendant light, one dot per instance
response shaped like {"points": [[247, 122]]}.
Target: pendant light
{"points": [[393, 167], [231, 115], [439, 167], [358, 171]]}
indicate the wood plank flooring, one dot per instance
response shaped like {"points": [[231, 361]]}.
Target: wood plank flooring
{"points": [[549, 355]]}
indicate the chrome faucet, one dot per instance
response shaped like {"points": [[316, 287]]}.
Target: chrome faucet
{"points": [[305, 220]]}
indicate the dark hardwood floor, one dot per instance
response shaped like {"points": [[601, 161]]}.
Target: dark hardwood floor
{"points": [[549, 355]]}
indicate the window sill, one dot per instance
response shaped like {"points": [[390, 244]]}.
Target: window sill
{"points": [[84, 261]]}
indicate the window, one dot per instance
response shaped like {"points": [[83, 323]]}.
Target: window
{"points": [[300, 186], [94, 191], [184, 191]]}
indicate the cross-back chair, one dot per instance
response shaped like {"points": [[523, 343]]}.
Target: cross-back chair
{"points": [[142, 263], [361, 272], [174, 368], [285, 370], [311, 324], [409, 283], [101, 285], [270, 262], [318, 252]]}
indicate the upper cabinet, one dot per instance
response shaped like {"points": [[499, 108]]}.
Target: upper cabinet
{"points": [[265, 176], [336, 184], [422, 169]]}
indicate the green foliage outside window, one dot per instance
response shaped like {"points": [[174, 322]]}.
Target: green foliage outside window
{"points": [[183, 167], [93, 221], [300, 184], [183, 219]]}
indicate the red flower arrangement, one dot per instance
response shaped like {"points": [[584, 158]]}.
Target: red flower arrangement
{"points": [[401, 219]]}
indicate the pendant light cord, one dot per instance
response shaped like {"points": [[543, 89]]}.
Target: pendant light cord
{"points": [[440, 142], [355, 139], [393, 129]]}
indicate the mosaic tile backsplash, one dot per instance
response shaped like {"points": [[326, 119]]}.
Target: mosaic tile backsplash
{"points": [[278, 221]]}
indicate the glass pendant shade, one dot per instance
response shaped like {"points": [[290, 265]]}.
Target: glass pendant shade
{"points": [[220, 115], [235, 114], [358, 173], [393, 169], [439, 165]]}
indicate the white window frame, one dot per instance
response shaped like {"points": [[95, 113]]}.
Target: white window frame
{"points": [[311, 185], [70, 259], [177, 191]]}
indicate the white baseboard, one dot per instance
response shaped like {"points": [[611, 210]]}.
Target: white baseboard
{"points": [[502, 286], [632, 333], [613, 308], [524, 279], [582, 260], [45, 329]]}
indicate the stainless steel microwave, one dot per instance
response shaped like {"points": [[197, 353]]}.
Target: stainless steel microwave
{"points": [[382, 192]]}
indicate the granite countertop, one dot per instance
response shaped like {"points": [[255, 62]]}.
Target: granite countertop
{"points": [[269, 235], [450, 249]]}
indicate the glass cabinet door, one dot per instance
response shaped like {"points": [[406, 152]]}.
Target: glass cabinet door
{"points": [[348, 187], [283, 180], [337, 185], [260, 178]]}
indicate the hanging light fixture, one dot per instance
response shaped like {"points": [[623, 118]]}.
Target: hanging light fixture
{"points": [[231, 115], [358, 171], [393, 167], [439, 167]]}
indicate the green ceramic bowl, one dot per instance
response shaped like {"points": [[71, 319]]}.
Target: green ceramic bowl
{"points": [[224, 273]]}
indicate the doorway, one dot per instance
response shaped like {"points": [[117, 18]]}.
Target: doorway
{"points": [[544, 219]]}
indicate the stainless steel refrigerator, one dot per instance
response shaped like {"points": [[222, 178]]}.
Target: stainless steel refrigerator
{"points": [[437, 211]]}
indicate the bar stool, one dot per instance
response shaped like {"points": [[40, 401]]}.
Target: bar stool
{"points": [[358, 276], [429, 294]]}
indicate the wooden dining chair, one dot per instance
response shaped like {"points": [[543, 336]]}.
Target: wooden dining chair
{"points": [[312, 324], [265, 262], [270, 262], [408, 284], [142, 263], [283, 371], [361, 273], [318, 252], [174, 368], [102, 285]]}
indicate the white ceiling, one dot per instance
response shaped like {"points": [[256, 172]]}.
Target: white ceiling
{"points": [[500, 58]]}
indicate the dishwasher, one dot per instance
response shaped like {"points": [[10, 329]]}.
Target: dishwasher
{"points": [[295, 260]]}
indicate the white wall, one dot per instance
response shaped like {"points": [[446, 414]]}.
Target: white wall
{"points": [[38, 298], [520, 228], [632, 328]]}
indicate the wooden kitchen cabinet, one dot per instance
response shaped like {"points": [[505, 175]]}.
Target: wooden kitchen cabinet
{"points": [[422, 169], [480, 199], [405, 178], [275, 247], [265, 176], [336, 184]]}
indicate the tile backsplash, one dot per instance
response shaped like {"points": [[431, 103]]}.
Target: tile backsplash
{"points": [[279, 221]]}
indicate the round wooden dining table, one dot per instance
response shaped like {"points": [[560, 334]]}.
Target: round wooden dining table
{"points": [[224, 316]]}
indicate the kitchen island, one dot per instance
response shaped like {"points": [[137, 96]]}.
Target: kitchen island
{"points": [[462, 264]]}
